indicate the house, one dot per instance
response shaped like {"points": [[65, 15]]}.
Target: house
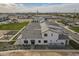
{"points": [[4, 19], [42, 33]]}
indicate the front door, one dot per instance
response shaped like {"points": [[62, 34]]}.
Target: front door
{"points": [[32, 42]]}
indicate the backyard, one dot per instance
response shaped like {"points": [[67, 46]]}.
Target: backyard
{"points": [[76, 29], [13, 26]]}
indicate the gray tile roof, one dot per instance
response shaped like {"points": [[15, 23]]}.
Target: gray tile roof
{"points": [[33, 31], [34, 34], [33, 26]]}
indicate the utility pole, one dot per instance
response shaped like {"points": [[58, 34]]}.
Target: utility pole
{"points": [[37, 12], [74, 15]]}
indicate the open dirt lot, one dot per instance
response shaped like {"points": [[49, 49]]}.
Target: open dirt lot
{"points": [[2, 32], [37, 53]]}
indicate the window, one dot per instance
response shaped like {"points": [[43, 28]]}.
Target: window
{"points": [[62, 43], [39, 41], [45, 35], [45, 41], [32, 42], [51, 34], [25, 41]]}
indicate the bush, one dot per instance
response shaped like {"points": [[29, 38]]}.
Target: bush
{"points": [[74, 44]]}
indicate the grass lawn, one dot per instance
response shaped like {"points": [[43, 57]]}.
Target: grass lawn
{"points": [[76, 29], [13, 26], [61, 22]]}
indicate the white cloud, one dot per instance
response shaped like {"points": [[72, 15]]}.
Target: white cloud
{"points": [[10, 8], [58, 8]]}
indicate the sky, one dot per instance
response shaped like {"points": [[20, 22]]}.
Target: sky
{"points": [[41, 7]]}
